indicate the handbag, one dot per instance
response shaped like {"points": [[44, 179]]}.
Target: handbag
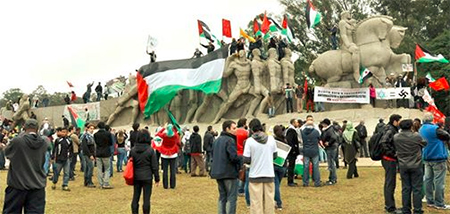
{"points": [[242, 173], [128, 174]]}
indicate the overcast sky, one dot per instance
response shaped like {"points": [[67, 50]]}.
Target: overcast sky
{"points": [[50, 42]]}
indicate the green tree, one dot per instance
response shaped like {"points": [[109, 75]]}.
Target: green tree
{"points": [[12, 94]]}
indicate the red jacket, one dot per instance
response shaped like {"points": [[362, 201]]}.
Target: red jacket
{"points": [[241, 136]]}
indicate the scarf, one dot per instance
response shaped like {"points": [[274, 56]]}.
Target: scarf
{"points": [[348, 132]]}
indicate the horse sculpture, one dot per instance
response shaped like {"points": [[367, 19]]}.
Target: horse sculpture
{"points": [[375, 36]]}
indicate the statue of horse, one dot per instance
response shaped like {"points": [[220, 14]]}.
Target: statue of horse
{"points": [[374, 36]]}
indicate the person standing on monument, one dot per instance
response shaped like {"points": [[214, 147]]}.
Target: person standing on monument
{"points": [[152, 56], [209, 48], [346, 27], [197, 54], [99, 91], [373, 95], [289, 94], [300, 96]]}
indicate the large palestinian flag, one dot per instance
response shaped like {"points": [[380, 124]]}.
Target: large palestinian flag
{"points": [[422, 55], [159, 82], [312, 16]]}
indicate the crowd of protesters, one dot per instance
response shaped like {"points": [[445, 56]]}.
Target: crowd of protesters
{"points": [[241, 158]]}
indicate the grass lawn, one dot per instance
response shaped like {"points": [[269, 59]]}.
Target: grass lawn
{"points": [[199, 195]]}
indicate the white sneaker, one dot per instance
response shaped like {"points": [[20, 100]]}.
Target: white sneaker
{"points": [[445, 207]]}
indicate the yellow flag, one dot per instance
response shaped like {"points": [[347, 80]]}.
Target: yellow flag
{"points": [[243, 34]]}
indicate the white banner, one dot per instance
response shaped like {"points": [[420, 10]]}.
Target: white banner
{"points": [[80, 111], [341, 95], [393, 93]]}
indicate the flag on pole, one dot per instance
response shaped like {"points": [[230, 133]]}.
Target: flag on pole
{"points": [[364, 74], [312, 16], [76, 119], [206, 35], [256, 28], [70, 84], [173, 120], [159, 82], [422, 55], [286, 29], [282, 153], [226, 28], [245, 35], [429, 77], [439, 84], [265, 24]]}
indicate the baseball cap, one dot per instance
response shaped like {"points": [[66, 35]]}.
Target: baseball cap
{"points": [[326, 121], [31, 124]]}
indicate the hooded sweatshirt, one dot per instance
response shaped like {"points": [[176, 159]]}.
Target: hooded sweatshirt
{"points": [[259, 151], [27, 157], [144, 162], [311, 139]]}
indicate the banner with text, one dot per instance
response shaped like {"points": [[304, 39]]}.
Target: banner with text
{"points": [[341, 95], [393, 93]]}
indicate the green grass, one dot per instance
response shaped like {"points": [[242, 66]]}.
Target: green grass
{"points": [[199, 195]]}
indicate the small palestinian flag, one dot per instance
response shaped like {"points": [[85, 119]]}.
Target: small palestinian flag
{"points": [[256, 28], [75, 119], [364, 74], [159, 82], [429, 77], [206, 35], [312, 16], [287, 31], [424, 56]]}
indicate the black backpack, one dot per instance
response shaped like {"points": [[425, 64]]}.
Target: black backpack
{"points": [[375, 147]]}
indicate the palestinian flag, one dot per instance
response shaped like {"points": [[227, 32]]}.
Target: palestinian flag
{"points": [[364, 74], [265, 24], [274, 29], [429, 77], [423, 56], [286, 29], [173, 120], [256, 28], [75, 119], [205, 34], [159, 82], [312, 16], [282, 153]]}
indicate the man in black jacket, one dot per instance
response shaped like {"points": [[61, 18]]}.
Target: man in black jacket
{"points": [[103, 141], [292, 141], [389, 162], [61, 155], [99, 91], [208, 140], [225, 167], [196, 153], [362, 132], [329, 139], [88, 148], [26, 177]]}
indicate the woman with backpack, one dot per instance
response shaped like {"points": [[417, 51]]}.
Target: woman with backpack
{"points": [[145, 169], [351, 145]]}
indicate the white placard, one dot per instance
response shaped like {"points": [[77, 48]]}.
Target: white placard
{"points": [[341, 95], [393, 93]]}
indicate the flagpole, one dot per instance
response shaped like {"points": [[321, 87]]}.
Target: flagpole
{"points": [[415, 72]]}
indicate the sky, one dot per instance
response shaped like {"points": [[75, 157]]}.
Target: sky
{"points": [[50, 42]]}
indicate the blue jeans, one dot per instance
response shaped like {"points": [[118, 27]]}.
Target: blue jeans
{"points": [[82, 160], [64, 165], [322, 155], [227, 196], [247, 192], [435, 175], [279, 174], [99, 96], [103, 176], [331, 159], [315, 172], [122, 154], [88, 170], [47, 162], [111, 167]]}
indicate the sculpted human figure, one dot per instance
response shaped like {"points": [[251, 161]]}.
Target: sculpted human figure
{"points": [[276, 84], [127, 100], [175, 106], [287, 67], [192, 105], [241, 67], [346, 27], [23, 113], [258, 90]]}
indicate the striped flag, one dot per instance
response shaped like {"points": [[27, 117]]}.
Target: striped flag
{"points": [[282, 153], [75, 118], [364, 74], [206, 35], [423, 56], [429, 77], [159, 82], [312, 16]]}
